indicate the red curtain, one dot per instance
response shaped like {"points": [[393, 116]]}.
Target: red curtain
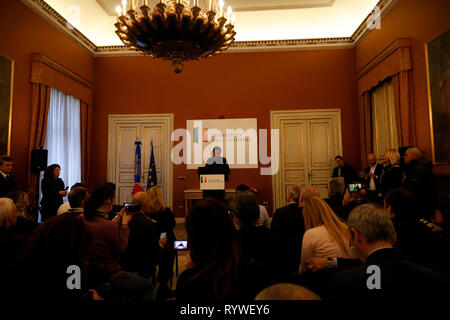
{"points": [[40, 104], [404, 107], [365, 120]]}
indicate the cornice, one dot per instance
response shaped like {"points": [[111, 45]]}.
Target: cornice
{"points": [[47, 12]]}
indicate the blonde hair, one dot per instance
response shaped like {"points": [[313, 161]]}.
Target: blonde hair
{"points": [[155, 200], [20, 199], [392, 155], [316, 212]]}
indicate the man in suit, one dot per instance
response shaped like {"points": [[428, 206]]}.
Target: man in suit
{"points": [[344, 170], [372, 176], [7, 182], [385, 273], [287, 229]]}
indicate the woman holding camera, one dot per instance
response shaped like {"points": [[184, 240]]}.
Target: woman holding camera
{"points": [[109, 242], [52, 191]]}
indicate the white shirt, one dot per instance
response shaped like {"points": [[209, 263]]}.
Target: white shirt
{"points": [[4, 174], [263, 217], [372, 185], [63, 208], [318, 243]]}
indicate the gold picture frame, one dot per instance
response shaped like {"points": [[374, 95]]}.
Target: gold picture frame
{"points": [[437, 56], [6, 101]]}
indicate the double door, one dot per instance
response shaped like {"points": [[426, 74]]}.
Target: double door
{"points": [[309, 141], [124, 130]]}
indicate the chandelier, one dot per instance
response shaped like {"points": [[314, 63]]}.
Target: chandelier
{"points": [[174, 30]]}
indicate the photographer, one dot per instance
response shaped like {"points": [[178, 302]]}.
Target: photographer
{"points": [[354, 196], [142, 251], [109, 242]]}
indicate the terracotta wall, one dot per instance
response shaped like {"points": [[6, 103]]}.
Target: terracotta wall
{"points": [[231, 86], [24, 32], [422, 21]]}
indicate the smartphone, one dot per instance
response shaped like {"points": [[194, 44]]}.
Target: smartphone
{"points": [[354, 187], [163, 235], [180, 245]]}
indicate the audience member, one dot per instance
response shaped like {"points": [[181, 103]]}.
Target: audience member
{"points": [[66, 205], [286, 291], [143, 243], [165, 218], [372, 176], [420, 180], [263, 215], [325, 235], [77, 200], [350, 201], [385, 273], [7, 182], [336, 189], [287, 231], [53, 191], [25, 223], [392, 175], [414, 239], [11, 243], [212, 250], [109, 242], [43, 273], [254, 243], [344, 170]]}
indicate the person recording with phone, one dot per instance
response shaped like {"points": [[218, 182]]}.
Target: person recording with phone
{"points": [[355, 195], [109, 242], [141, 255]]}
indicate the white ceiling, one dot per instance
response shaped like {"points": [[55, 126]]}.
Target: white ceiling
{"points": [[256, 20]]}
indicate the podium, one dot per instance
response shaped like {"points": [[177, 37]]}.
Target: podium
{"points": [[212, 181]]}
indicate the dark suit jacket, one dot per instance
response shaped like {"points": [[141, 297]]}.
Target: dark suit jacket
{"points": [[287, 229], [378, 173], [7, 185], [347, 172], [143, 246], [399, 278]]}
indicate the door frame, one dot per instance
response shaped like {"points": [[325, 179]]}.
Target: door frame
{"points": [[277, 116], [167, 119]]}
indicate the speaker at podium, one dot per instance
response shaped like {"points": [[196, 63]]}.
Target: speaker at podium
{"points": [[213, 176]]}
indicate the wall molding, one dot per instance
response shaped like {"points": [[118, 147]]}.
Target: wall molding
{"points": [[394, 45], [48, 13], [39, 57]]}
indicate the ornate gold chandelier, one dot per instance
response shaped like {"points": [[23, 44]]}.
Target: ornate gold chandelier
{"points": [[174, 30]]}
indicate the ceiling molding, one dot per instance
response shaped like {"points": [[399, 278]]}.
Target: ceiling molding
{"points": [[47, 12]]}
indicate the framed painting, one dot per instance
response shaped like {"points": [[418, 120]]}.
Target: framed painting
{"points": [[437, 53], [6, 94]]}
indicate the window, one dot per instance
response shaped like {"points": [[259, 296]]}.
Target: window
{"points": [[63, 138], [384, 125]]}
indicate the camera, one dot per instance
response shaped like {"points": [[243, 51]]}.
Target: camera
{"points": [[180, 245], [354, 187], [133, 207]]}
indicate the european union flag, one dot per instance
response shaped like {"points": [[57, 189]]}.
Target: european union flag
{"points": [[152, 182]]}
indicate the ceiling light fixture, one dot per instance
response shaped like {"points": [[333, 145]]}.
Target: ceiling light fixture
{"points": [[176, 31]]}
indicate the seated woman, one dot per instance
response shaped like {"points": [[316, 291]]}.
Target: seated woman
{"points": [[325, 234], [212, 272], [109, 242], [25, 224]]}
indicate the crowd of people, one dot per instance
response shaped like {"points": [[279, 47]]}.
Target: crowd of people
{"points": [[379, 234]]}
